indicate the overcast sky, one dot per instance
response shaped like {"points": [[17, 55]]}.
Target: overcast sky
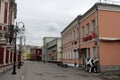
{"points": [[47, 18]]}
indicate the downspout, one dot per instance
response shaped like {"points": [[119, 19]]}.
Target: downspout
{"points": [[97, 39], [79, 39]]}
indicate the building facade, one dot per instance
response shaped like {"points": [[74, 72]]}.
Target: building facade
{"points": [[70, 43], [36, 54], [46, 40], [99, 37], [26, 53], [54, 50], [8, 9]]}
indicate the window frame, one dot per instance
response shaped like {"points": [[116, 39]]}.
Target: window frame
{"points": [[93, 25], [87, 28]]}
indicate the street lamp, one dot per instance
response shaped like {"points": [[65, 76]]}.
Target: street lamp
{"points": [[21, 30], [16, 30], [14, 58]]}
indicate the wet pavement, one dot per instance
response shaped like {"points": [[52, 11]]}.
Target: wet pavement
{"points": [[50, 71]]}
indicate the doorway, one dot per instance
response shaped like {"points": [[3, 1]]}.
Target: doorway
{"points": [[85, 54]]}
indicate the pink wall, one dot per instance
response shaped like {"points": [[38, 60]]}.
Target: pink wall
{"points": [[86, 21], [109, 53], [109, 24], [109, 27]]}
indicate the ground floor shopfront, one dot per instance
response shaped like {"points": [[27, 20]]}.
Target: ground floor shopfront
{"points": [[6, 58], [107, 53]]}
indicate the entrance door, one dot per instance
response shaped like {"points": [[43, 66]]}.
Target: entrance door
{"points": [[84, 56]]}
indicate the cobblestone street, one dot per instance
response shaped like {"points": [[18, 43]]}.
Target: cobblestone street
{"points": [[49, 71]]}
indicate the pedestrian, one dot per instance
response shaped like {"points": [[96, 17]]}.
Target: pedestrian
{"points": [[95, 65], [75, 64]]}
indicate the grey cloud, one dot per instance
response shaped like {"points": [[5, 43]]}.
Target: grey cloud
{"points": [[48, 17]]}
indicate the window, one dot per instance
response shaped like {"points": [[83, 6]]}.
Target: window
{"points": [[93, 25], [83, 31], [87, 29], [6, 12], [0, 27], [5, 28], [74, 35], [0, 6], [1, 35], [1, 55], [71, 55]]}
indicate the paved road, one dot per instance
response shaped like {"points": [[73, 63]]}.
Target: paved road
{"points": [[49, 71]]}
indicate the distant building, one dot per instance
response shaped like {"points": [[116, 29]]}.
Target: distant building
{"points": [[26, 53], [95, 34], [36, 54], [54, 50], [46, 40]]}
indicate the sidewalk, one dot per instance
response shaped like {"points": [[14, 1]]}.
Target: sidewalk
{"points": [[108, 75], [8, 75]]}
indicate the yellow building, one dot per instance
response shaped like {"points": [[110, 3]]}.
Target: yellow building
{"points": [[26, 52]]}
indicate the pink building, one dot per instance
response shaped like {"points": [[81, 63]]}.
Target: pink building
{"points": [[96, 34], [7, 17]]}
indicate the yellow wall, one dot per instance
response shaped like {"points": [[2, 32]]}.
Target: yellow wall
{"points": [[26, 55]]}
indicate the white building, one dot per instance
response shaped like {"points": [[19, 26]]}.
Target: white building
{"points": [[54, 50], [46, 40]]}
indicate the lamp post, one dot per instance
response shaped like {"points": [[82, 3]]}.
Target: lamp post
{"points": [[16, 31], [21, 30], [14, 58]]}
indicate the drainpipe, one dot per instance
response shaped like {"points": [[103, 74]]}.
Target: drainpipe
{"points": [[79, 38], [97, 38]]}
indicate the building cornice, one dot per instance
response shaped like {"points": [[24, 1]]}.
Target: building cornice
{"points": [[100, 6], [74, 22], [93, 9]]}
